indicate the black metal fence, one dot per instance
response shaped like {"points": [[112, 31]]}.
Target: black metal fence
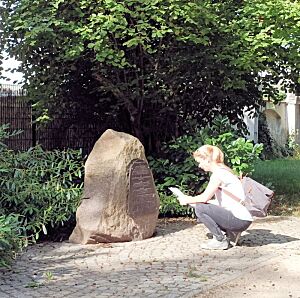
{"points": [[14, 110], [58, 134]]}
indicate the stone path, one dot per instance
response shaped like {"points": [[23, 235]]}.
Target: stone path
{"points": [[171, 264]]}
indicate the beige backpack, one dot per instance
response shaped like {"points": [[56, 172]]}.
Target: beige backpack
{"points": [[257, 197]]}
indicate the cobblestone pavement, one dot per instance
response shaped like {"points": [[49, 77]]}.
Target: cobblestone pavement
{"points": [[171, 264]]}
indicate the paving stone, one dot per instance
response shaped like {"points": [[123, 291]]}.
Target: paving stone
{"points": [[169, 265]]}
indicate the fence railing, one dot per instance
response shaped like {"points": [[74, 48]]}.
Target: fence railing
{"points": [[14, 110], [61, 133]]}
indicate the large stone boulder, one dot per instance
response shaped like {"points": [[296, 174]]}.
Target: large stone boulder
{"points": [[119, 201]]}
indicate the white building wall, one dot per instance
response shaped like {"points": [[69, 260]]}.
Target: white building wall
{"points": [[293, 112], [252, 125], [283, 120]]}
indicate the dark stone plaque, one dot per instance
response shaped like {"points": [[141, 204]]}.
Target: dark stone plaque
{"points": [[142, 194]]}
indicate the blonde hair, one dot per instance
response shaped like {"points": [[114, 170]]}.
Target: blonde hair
{"points": [[209, 152]]}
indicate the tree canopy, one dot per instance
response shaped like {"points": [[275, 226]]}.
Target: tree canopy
{"points": [[153, 68]]}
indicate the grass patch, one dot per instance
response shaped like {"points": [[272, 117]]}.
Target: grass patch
{"points": [[192, 273], [283, 176]]}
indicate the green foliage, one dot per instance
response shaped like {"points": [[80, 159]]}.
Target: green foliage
{"points": [[266, 27], [178, 168], [293, 148], [296, 152], [11, 238], [43, 187], [169, 206], [5, 133], [239, 153], [148, 66]]}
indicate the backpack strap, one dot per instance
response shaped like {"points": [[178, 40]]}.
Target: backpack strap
{"points": [[228, 192], [242, 202]]}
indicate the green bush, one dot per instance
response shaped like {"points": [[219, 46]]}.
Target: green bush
{"points": [[11, 238], [240, 154], [296, 152], [5, 133], [44, 187], [178, 167], [293, 147], [169, 206]]}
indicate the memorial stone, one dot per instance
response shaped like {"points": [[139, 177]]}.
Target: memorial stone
{"points": [[119, 202]]}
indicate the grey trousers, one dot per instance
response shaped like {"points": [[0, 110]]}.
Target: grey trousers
{"points": [[218, 219]]}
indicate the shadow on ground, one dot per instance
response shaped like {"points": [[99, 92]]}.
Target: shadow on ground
{"points": [[259, 237], [167, 226]]}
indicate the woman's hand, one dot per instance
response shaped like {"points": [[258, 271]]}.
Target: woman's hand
{"points": [[192, 200], [200, 199], [183, 200]]}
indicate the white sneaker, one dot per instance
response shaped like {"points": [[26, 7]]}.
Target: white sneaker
{"points": [[210, 235], [215, 244]]}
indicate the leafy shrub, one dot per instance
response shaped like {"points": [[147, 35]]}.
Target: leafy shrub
{"points": [[5, 133], [11, 238], [44, 187], [179, 168], [293, 147], [296, 152], [169, 206], [240, 154]]}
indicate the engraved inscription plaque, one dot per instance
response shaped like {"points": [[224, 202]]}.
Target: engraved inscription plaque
{"points": [[142, 193]]}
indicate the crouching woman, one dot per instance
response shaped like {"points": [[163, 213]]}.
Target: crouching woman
{"points": [[224, 216]]}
